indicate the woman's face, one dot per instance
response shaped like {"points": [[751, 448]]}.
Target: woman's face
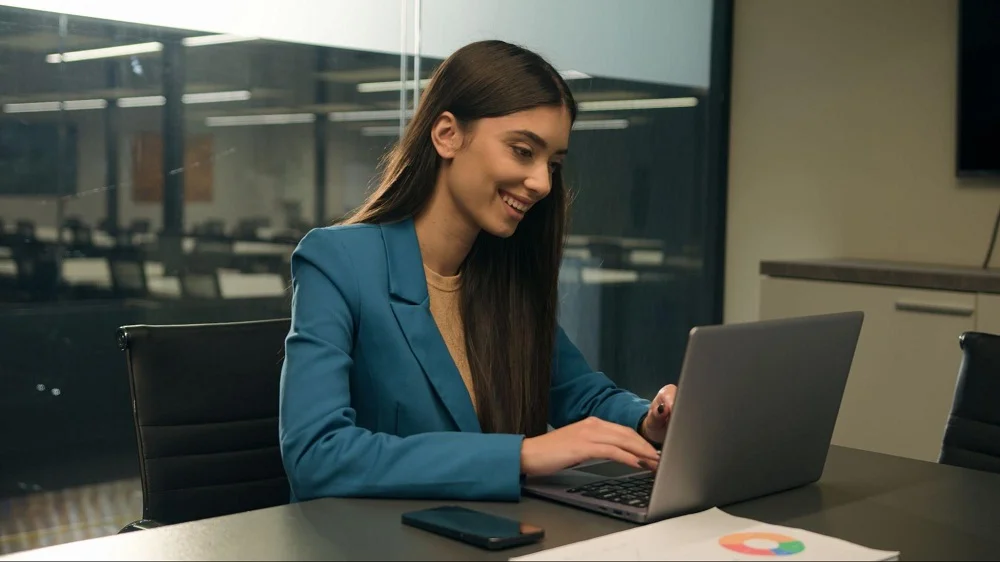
{"points": [[497, 168]]}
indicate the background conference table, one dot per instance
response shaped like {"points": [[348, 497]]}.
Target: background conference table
{"points": [[924, 510]]}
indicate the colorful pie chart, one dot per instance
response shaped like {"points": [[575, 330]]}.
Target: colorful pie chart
{"points": [[762, 544]]}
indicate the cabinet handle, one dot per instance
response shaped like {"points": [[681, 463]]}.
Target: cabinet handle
{"points": [[932, 308]]}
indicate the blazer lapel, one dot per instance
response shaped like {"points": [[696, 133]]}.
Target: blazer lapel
{"points": [[411, 306]]}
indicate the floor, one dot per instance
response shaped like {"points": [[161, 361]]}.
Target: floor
{"points": [[48, 518]]}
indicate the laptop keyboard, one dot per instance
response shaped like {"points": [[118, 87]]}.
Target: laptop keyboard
{"points": [[633, 492]]}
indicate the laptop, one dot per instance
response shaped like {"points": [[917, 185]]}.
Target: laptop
{"points": [[754, 414]]}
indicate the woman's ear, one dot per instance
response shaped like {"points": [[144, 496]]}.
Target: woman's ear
{"points": [[447, 135]]}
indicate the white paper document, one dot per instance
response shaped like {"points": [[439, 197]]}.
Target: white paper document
{"points": [[713, 535]]}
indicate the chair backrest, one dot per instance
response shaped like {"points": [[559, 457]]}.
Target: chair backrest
{"points": [[972, 436], [139, 226], [25, 229], [128, 272], [37, 268], [205, 405]]}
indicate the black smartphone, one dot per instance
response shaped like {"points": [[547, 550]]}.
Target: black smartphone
{"points": [[474, 527]]}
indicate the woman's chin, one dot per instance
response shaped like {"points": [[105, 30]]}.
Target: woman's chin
{"points": [[502, 228]]}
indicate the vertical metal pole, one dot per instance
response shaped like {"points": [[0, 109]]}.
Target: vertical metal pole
{"points": [[402, 65], [416, 53], [319, 141], [111, 114], [173, 152], [61, 150]]}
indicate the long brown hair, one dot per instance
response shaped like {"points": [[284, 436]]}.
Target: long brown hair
{"points": [[509, 285]]}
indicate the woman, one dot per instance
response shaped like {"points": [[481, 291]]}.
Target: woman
{"points": [[424, 359]]}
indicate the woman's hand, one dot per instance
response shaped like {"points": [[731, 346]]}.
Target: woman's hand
{"points": [[654, 427], [586, 440]]}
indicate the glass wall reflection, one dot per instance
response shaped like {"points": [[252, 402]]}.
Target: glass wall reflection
{"points": [[149, 175]]}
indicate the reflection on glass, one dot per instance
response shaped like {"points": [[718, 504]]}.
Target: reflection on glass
{"points": [[156, 176]]}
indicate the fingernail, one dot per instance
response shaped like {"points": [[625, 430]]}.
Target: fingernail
{"points": [[659, 409]]}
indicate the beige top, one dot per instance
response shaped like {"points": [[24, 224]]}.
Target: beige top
{"points": [[445, 301]]}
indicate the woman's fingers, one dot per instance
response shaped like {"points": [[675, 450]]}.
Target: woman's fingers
{"points": [[619, 436], [663, 404], [617, 454]]}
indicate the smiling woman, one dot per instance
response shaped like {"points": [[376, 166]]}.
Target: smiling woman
{"points": [[446, 386], [492, 128]]}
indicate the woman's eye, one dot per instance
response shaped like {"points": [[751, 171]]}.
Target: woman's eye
{"points": [[522, 152], [555, 167]]}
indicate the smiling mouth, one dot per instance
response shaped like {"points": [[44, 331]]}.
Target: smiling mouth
{"points": [[514, 203]]}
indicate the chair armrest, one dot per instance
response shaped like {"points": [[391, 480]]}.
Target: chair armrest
{"points": [[140, 525]]}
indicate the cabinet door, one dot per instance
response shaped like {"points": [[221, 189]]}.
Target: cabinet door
{"points": [[903, 377]]}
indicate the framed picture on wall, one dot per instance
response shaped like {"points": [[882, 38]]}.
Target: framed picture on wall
{"points": [[147, 168]]}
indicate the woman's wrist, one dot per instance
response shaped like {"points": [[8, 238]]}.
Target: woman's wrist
{"points": [[641, 430]]}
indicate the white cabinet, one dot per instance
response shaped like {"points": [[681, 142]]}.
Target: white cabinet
{"points": [[901, 385]]}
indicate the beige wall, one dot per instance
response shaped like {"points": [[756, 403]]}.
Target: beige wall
{"points": [[842, 139]]}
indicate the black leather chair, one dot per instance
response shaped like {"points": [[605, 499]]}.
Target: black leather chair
{"points": [[25, 230], [972, 436], [205, 404], [139, 226], [199, 276], [128, 272]]}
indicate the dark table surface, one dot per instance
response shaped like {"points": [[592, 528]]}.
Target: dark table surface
{"points": [[924, 510]]}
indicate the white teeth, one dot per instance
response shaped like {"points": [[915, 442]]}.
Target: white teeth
{"points": [[514, 203]]}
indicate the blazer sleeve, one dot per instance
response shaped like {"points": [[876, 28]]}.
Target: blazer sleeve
{"points": [[579, 392], [324, 453]]}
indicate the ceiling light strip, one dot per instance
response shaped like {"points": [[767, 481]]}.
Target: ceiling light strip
{"points": [[396, 85], [106, 52], [275, 119], [36, 107], [373, 115], [143, 48], [220, 39], [626, 105], [600, 125]]}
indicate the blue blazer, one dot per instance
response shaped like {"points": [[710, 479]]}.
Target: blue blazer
{"points": [[372, 404]]}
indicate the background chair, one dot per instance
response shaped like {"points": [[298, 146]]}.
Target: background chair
{"points": [[972, 436], [128, 272], [199, 276], [205, 404]]}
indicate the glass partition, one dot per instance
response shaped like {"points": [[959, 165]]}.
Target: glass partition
{"points": [[150, 175]]}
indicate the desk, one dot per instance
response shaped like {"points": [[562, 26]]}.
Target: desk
{"points": [[926, 511]]}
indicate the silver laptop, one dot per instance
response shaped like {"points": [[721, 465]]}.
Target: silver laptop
{"points": [[754, 414]]}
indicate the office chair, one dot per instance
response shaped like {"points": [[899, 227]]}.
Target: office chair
{"points": [[81, 239], [199, 276], [205, 406], [211, 228], [25, 230], [128, 272], [37, 269], [972, 436], [139, 226]]}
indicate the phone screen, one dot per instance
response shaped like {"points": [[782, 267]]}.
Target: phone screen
{"points": [[476, 527]]}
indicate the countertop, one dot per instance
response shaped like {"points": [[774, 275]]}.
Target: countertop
{"points": [[878, 272]]}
